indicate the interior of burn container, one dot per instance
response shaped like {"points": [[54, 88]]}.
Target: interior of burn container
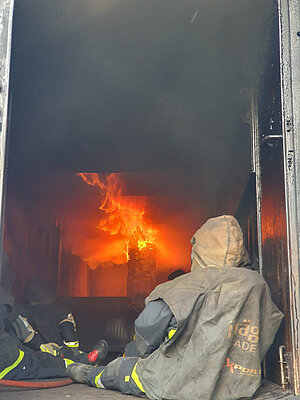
{"points": [[130, 126]]}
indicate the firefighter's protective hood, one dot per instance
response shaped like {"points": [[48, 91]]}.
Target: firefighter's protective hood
{"points": [[218, 243]]}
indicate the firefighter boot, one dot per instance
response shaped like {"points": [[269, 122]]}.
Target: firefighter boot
{"points": [[99, 352], [78, 372]]}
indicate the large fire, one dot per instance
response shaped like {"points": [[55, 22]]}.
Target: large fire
{"points": [[112, 220], [121, 215], [108, 235]]}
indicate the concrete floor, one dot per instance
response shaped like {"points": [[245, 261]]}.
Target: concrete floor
{"points": [[72, 392], [268, 391]]}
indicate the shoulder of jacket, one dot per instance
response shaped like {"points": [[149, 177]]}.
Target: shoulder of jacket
{"points": [[253, 278]]}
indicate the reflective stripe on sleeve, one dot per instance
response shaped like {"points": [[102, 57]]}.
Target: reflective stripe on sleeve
{"points": [[98, 382], [14, 365], [72, 344], [171, 333], [136, 379]]}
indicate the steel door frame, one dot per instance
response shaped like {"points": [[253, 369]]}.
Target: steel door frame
{"points": [[289, 40], [289, 32], [6, 22]]}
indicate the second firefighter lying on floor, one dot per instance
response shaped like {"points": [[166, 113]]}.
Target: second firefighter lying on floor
{"points": [[27, 347]]}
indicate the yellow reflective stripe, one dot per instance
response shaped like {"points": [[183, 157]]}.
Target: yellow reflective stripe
{"points": [[72, 344], [127, 378], [14, 365], [44, 349], [68, 362], [171, 333], [97, 378], [136, 379]]}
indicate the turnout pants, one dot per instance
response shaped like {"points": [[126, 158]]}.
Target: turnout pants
{"points": [[120, 374], [18, 363]]}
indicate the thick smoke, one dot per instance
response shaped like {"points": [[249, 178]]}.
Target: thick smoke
{"points": [[133, 86], [151, 89]]}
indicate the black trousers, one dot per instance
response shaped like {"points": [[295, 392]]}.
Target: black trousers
{"points": [[20, 363]]}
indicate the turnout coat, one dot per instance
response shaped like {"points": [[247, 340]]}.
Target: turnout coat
{"points": [[226, 321]]}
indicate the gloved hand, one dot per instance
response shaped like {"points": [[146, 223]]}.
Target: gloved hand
{"points": [[51, 348], [23, 329]]}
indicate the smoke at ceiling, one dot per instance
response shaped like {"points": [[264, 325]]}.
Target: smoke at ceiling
{"points": [[133, 86]]}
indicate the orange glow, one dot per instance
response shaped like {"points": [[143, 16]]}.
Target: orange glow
{"points": [[106, 235], [273, 217], [118, 239], [121, 215], [100, 224]]}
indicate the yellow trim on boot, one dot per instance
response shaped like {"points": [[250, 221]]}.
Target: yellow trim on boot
{"points": [[72, 344], [68, 361], [14, 365], [136, 379]]}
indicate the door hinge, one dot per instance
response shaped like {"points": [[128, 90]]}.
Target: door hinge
{"points": [[286, 368]]}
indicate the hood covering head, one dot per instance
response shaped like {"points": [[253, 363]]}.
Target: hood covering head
{"points": [[218, 243], [40, 291]]}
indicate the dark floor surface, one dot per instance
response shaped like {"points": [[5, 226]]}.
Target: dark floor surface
{"points": [[268, 391], [72, 392]]}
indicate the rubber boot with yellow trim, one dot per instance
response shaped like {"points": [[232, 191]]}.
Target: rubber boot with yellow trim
{"points": [[78, 372]]}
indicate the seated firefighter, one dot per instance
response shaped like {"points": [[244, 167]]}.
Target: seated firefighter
{"points": [[202, 335], [42, 324]]}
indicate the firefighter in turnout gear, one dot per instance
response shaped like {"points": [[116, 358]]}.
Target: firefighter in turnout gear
{"points": [[18, 361], [42, 324], [201, 336], [26, 354], [43, 321]]}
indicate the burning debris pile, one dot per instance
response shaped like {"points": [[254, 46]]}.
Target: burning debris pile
{"points": [[123, 216], [134, 240], [141, 257]]}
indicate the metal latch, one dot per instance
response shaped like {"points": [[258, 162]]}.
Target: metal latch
{"points": [[286, 365], [268, 138]]}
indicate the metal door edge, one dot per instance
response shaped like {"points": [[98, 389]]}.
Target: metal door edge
{"points": [[289, 42], [6, 22]]}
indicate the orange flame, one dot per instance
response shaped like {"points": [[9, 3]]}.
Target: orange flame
{"points": [[123, 215]]}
